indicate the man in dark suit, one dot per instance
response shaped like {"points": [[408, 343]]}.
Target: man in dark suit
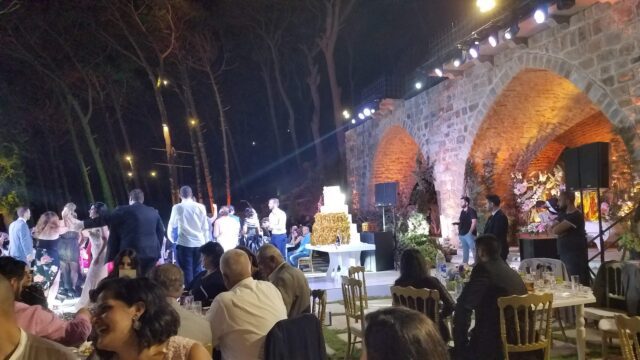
{"points": [[290, 281], [497, 224], [491, 278], [138, 227]]}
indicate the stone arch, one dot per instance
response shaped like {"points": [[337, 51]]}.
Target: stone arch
{"points": [[394, 160], [535, 100]]}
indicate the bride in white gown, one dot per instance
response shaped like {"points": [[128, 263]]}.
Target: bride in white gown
{"points": [[98, 267]]}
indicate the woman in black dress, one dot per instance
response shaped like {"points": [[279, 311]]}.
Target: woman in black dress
{"points": [[206, 285], [572, 238], [45, 238], [69, 251], [414, 272]]}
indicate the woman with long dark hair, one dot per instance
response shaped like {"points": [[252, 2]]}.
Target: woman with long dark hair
{"points": [[133, 320], [126, 259], [414, 271]]}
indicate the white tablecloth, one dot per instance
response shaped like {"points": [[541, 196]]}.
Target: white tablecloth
{"points": [[342, 257]]}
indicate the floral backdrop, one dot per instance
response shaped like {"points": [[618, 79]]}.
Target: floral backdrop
{"points": [[539, 185]]}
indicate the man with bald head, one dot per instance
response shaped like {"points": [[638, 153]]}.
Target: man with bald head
{"points": [[15, 343], [290, 281], [241, 317]]}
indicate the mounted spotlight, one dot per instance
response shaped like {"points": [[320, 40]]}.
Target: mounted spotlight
{"points": [[565, 4], [366, 112], [373, 111], [512, 32], [438, 72], [485, 5], [361, 116], [540, 16], [418, 85], [473, 51], [457, 62], [493, 40], [353, 121]]}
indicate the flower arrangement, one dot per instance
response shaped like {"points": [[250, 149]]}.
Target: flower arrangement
{"points": [[539, 185], [417, 236], [328, 226]]}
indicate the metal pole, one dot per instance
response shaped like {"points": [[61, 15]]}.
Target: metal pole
{"points": [[602, 249], [384, 222]]}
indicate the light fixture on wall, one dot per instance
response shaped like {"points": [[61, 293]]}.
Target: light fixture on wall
{"points": [[366, 112], [473, 51], [540, 15], [512, 31], [418, 85], [438, 72], [361, 116]]}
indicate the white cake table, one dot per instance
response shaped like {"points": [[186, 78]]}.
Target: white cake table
{"points": [[342, 256]]}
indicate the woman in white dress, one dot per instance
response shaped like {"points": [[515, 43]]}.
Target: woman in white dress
{"points": [[98, 268]]}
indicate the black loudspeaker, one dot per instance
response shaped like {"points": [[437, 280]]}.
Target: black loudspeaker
{"points": [[587, 166], [386, 194], [594, 165], [571, 160], [382, 258]]}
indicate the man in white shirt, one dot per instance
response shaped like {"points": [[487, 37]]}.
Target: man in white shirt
{"points": [[226, 230], [278, 226], [241, 317], [192, 326], [193, 231], [15, 343]]}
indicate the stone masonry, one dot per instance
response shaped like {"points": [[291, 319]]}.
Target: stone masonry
{"points": [[509, 111]]}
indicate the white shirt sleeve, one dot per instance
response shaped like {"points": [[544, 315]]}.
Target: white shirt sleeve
{"points": [[173, 222]]}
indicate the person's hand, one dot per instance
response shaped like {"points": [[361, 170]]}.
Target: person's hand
{"points": [[84, 312]]}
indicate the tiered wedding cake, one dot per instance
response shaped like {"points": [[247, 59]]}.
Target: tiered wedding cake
{"points": [[334, 206]]}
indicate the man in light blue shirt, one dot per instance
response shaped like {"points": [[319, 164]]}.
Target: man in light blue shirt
{"points": [[302, 251], [190, 219], [20, 240]]}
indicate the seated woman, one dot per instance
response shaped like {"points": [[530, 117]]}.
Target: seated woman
{"points": [[132, 319], [401, 333], [127, 260], [302, 250], [32, 294], [209, 283], [414, 272]]}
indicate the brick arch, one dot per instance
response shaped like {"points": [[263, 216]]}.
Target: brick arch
{"points": [[536, 98], [395, 160]]}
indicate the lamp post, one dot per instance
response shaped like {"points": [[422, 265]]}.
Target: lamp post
{"points": [[131, 174]]}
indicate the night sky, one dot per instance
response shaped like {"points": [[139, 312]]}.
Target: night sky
{"points": [[375, 41]]}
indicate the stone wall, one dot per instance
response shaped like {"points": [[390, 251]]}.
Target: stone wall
{"points": [[508, 110]]}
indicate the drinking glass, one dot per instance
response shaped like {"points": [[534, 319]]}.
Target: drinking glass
{"points": [[529, 282], [196, 307], [187, 301], [575, 282]]}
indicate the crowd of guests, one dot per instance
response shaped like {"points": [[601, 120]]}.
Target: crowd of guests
{"points": [[248, 286]]}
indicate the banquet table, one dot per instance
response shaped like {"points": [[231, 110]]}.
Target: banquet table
{"points": [[564, 298], [341, 257]]}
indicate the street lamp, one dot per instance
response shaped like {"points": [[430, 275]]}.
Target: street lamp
{"points": [[130, 174], [153, 174]]}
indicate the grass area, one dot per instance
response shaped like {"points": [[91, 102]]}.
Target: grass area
{"points": [[332, 340]]}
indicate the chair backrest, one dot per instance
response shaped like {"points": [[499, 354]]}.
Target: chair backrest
{"points": [[629, 330], [209, 348], [353, 301], [357, 272], [319, 304], [425, 301], [556, 266], [614, 286], [525, 323]]}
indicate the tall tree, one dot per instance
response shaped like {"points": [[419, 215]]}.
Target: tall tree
{"points": [[335, 14], [149, 30]]}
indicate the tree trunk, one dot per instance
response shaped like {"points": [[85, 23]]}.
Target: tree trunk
{"points": [[95, 152], [223, 126], [313, 80], [196, 163], [162, 110], [266, 76], [335, 98], [54, 175], [80, 159], [118, 179], [125, 138], [193, 111], [287, 102], [236, 161]]}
